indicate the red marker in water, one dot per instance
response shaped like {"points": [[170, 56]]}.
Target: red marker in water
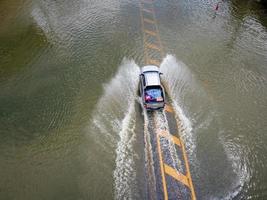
{"points": [[217, 7]]}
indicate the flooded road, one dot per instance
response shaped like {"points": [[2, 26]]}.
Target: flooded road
{"points": [[71, 126]]}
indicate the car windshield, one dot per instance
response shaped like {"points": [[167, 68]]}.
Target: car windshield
{"points": [[153, 94]]}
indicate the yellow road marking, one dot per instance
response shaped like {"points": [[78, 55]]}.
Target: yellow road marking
{"points": [[149, 21], [150, 32], [175, 174], [158, 134], [163, 133], [188, 174], [162, 169], [176, 140], [165, 169], [154, 62], [168, 108], [151, 11], [152, 46]]}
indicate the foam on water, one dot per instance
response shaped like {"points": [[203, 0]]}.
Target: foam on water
{"points": [[149, 162], [125, 174], [182, 86], [185, 129], [114, 121], [239, 162], [179, 80], [113, 125], [114, 104], [239, 158], [162, 125]]}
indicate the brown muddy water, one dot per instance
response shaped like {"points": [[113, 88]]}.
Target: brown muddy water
{"points": [[68, 103]]}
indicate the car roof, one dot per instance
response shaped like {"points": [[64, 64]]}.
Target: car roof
{"points": [[149, 68], [151, 73], [152, 78]]}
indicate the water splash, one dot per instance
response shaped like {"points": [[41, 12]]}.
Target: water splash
{"points": [[162, 125], [180, 83], [149, 161], [114, 104], [190, 99], [125, 174], [113, 125]]}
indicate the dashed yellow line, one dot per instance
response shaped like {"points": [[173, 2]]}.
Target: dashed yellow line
{"points": [[168, 136], [168, 108], [149, 21], [185, 179], [188, 174], [177, 141], [176, 175], [144, 20], [157, 46], [150, 32], [162, 169], [152, 46], [163, 133], [154, 62]]}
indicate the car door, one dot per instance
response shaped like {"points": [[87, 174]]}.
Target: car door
{"points": [[142, 84]]}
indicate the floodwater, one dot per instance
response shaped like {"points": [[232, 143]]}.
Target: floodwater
{"points": [[70, 121]]}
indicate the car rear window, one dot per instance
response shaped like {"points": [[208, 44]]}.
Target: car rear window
{"points": [[153, 94]]}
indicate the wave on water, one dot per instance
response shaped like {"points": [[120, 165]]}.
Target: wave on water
{"points": [[181, 84], [113, 125], [114, 121], [125, 173], [240, 167], [198, 115]]}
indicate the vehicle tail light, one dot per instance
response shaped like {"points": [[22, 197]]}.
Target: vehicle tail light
{"points": [[159, 99]]}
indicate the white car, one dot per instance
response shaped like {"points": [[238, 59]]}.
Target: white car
{"points": [[151, 91]]}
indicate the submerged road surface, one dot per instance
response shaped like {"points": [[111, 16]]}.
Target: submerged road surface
{"points": [[71, 126], [167, 169]]}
